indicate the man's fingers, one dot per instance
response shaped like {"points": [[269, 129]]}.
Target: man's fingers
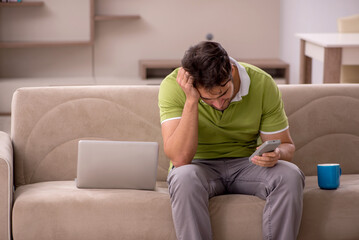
{"points": [[265, 161], [269, 154], [190, 80], [180, 74], [185, 80], [184, 77]]}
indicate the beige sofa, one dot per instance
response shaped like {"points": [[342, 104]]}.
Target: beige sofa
{"points": [[40, 159]]}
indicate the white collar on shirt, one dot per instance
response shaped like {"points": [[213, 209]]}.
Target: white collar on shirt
{"points": [[245, 81]]}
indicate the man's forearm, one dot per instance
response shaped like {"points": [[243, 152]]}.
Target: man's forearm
{"points": [[287, 148], [287, 151], [181, 146]]}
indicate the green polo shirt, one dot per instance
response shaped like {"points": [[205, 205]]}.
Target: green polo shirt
{"points": [[257, 108]]}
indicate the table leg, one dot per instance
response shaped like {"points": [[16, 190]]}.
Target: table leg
{"points": [[305, 72], [332, 65]]}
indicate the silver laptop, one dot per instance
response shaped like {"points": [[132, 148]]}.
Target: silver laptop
{"points": [[117, 164]]}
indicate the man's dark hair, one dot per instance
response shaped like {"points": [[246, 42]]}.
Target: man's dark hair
{"points": [[208, 63]]}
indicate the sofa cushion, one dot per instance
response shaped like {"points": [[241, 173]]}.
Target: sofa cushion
{"points": [[48, 122], [331, 214], [59, 210], [323, 122]]}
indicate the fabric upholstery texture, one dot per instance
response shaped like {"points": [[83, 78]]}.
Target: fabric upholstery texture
{"points": [[55, 207], [6, 184], [50, 207], [323, 121], [331, 214], [48, 122], [59, 210]]}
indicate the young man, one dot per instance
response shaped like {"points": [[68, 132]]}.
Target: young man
{"points": [[213, 110]]}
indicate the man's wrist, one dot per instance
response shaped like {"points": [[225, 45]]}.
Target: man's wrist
{"points": [[192, 101]]}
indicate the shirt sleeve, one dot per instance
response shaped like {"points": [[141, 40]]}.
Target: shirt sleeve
{"points": [[274, 119], [171, 98]]}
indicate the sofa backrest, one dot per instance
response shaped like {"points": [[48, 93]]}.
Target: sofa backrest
{"points": [[47, 124], [324, 125]]}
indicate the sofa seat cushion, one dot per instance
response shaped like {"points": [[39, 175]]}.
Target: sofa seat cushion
{"points": [[59, 210], [330, 214]]}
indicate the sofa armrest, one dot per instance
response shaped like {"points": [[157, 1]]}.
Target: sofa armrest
{"points": [[6, 185]]}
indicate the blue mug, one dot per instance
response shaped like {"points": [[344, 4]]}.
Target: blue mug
{"points": [[329, 175]]}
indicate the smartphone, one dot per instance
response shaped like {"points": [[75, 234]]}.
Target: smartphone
{"points": [[267, 146]]}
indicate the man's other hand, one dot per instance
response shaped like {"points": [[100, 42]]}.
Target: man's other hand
{"points": [[269, 159]]}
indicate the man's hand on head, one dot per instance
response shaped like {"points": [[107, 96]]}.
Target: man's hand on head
{"points": [[185, 80]]}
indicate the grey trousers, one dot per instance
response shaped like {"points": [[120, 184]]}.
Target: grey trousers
{"points": [[191, 186]]}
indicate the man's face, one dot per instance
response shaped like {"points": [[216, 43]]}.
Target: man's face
{"points": [[218, 97]]}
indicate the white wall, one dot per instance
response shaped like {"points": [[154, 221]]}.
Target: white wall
{"points": [[309, 16], [51, 22], [55, 21], [245, 28]]}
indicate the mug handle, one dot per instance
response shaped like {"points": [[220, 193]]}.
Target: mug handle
{"points": [[340, 171]]}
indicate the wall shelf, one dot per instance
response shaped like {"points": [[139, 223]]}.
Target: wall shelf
{"points": [[277, 68], [115, 17], [22, 4], [150, 69], [43, 44], [96, 18], [34, 44]]}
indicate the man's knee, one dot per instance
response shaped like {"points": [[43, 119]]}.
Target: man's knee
{"points": [[291, 177], [188, 178]]}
